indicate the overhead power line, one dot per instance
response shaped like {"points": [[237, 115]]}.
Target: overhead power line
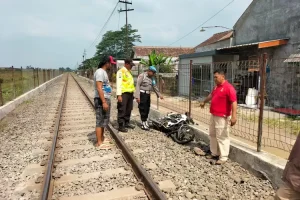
{"points": [[202, 23], [103, 27]]}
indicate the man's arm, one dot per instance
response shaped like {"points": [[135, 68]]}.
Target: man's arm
{"points": [[233, 99], [233, 114], [207, 99], [138, 85], [156, 90], [99, 85], [119, 83]]}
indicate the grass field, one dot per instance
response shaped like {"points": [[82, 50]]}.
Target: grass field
{"points": [[17, 82]]}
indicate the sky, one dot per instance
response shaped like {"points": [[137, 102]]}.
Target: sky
{"points": [[53, 34]]}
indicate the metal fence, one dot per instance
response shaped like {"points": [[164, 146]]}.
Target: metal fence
{"points": [[273, 123], [270, 121], [17, 81]]}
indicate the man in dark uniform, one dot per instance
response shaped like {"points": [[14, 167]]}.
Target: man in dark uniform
{"points": [[145, 83]]}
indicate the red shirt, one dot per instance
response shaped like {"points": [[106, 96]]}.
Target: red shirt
{"points": [[222, 98]]}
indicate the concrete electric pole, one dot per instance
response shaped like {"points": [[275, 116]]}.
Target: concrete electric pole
{"points": [[126, 10], [83, 56]]}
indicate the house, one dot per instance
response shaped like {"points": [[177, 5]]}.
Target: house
{"points": [[204, 56], [270, 28], [142, 52]]}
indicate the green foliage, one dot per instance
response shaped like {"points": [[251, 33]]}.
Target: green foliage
{"points": [[89, 63], [160, 60], [68, 69], [114, 43]]}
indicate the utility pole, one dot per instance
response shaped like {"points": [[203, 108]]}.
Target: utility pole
{"points": [[83, 56], [126, 10]]}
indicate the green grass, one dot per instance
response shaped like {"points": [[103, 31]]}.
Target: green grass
{"points": [[17, 83], [284, 123]]}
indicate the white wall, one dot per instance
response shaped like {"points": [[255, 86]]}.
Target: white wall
{"points": [[198, 60], [184, 72]]}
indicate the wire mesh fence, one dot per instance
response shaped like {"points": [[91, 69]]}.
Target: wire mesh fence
{"points": [[17, 81], [268, 120], [277, 125]]}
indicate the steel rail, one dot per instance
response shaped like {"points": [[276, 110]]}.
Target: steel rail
{"points": [[47, 180], [152, 190]]}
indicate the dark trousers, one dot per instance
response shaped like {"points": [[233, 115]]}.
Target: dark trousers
{"points": [[125, 108], [144, 106]]}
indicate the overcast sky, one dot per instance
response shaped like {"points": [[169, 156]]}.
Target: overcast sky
{"points": [[52, 34]]}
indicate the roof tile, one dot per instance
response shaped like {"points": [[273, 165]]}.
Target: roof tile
{"points": [[167, 51], [216, 38]]}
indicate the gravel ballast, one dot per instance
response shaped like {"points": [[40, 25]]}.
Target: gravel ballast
{"points": [[193, 176], [20, 132]]}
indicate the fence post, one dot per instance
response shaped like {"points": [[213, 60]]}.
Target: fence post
{"points": [[1, 97], [44, 76], [22, 86], [34, 85], [158, 86], [190, 88], [13, 80], [263, 63], [37, 74], [212, 69]]}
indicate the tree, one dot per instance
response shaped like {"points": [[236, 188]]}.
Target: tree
{"points": [[114, 43], [89, 63], [160, 60], [68, 69]]}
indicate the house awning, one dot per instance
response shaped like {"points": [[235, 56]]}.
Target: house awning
{"points": [[261, 45], [294, 58], [272, 43], [199, 54], [238, 46]]}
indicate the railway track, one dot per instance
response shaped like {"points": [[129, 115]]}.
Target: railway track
{"points": [[76, 169], [82, 171]]}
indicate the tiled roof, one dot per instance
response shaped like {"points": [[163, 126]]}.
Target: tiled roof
{"points": [[167, 51], [216, 38]]}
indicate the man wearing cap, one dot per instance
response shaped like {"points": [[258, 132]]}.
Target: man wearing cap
{"points": [[102, 97], [125, 89], [145, 83]]}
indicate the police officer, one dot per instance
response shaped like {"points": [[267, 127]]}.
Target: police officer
{"points": [[125, 90], [145, 83]]}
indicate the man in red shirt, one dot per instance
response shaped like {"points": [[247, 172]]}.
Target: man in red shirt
{"points": [[223, 109]]}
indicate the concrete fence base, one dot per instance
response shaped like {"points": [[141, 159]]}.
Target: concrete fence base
{"points": [[10, 106]]}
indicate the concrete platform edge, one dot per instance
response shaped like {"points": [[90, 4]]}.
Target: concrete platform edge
{"points": [[10, 106]]}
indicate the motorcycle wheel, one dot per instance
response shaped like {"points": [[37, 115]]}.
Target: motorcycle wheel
{"points": [[184, 135]]}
